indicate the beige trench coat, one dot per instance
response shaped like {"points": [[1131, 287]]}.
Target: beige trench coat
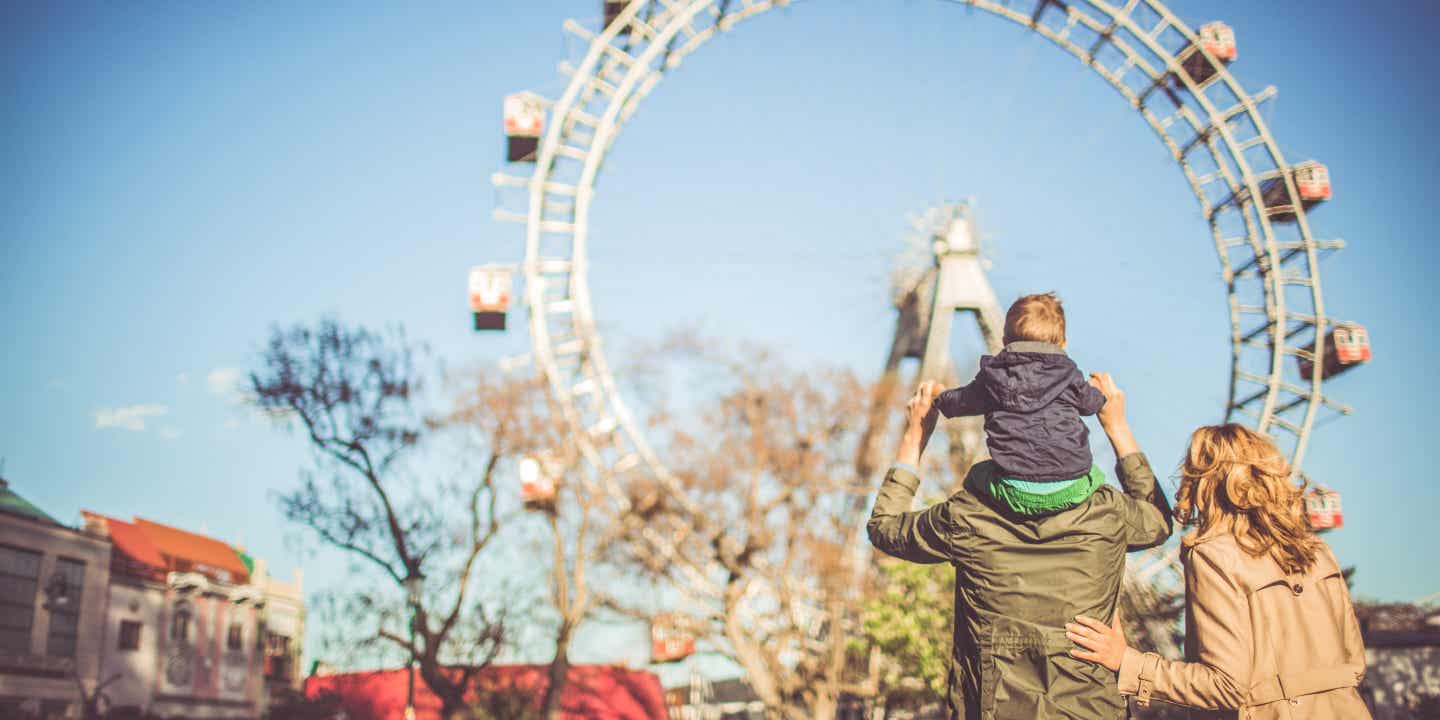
{"points": [[1259, 644]]}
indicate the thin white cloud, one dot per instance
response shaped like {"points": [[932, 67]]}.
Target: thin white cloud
{"points": [[130, 417], [233, 386], [170, 432], [224, 381]]}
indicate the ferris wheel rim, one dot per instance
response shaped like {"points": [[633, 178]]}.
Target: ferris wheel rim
{"points": [[637, 77]]}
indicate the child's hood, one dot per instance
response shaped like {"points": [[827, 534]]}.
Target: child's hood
{"points": [[1027, 380]]}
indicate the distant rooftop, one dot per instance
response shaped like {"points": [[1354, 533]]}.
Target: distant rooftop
{"points": [[11, 503], [163, 548]]}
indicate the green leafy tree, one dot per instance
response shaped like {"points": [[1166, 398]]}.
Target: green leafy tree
{"points": [[910, 621]]}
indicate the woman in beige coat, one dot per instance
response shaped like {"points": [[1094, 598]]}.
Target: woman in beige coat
{"points": [[1269, 628]]}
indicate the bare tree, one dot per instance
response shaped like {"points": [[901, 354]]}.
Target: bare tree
{"points": [[93, 700], [579, 522], [573, 550], [761, 523], [357, 395]]}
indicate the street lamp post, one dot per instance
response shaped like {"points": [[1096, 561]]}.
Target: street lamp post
{"points": [[413, 583]]}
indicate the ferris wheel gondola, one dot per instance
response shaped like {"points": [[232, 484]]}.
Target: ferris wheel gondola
{"points": [[1214, 43], [669, 641], [1312, 186], [489, 287], [1323, 506]]}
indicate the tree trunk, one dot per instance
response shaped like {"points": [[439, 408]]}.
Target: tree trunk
{"points": [[559, 673], [453, 705], [453, 709]]}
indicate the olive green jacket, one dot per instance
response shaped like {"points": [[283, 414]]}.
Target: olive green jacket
{"points": [[1018, 581]]}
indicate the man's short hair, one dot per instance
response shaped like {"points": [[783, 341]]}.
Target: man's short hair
{"points": [[1038, 318]]}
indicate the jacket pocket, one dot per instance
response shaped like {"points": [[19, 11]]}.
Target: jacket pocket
{"points": [[1012, 682], [1027, 672]]}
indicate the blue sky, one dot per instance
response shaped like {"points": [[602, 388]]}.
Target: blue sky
{"points": [[177, 178]]}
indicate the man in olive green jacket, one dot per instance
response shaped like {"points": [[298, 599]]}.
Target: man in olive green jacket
{"points": [[1019, 580]]}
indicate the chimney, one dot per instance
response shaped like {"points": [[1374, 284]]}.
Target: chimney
{"points": [[95, 524]]}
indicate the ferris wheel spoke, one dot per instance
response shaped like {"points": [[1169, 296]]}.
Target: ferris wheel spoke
{"points": [[1284, 424], [1159, 29], [576, 116], [1303, 398], [1252, 377]]}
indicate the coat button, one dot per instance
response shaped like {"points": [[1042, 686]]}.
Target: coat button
{"points": [[1298, 588]]}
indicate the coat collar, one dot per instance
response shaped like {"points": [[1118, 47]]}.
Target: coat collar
{"points": [[1249, 571], [1032, 346]]}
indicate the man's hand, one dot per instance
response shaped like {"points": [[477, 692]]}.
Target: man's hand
{"points": [[920, 410], [920, 416], [1112, 416], [1114, 397]]}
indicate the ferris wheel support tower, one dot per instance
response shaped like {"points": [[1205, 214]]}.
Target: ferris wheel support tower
{"points": [[953, 282], [960, 287]]}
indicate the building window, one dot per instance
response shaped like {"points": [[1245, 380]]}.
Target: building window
{"points": [[129, 635], [236, 637], [63, 592], [19, 581], [180, 624], [277, 658]]}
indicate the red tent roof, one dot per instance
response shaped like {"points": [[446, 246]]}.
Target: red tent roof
{"points": [[189, 551], [592, 692]]}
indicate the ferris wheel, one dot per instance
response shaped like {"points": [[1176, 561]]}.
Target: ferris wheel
{"points": [[1283, 342], [1256, 203]]}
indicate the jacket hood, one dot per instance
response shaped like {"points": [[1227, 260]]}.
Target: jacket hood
{"points": [[1027, 376]]}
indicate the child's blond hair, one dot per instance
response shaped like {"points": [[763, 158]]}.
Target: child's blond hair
{"points": [[1038, 318]]}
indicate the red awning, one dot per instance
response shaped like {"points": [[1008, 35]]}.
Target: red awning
{"points": [[592, 692]]}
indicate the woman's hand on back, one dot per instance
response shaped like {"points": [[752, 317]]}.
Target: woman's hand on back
{"points": [[1101, 643]]}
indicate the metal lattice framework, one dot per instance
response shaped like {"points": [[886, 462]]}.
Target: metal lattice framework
{"points": [[1211, 126]]}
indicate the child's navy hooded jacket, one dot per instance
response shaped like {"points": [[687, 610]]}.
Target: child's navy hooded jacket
{"points": [[1032, 397]]}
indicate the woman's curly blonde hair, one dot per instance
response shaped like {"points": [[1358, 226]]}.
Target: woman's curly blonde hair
{"points": [[1234, 478]]}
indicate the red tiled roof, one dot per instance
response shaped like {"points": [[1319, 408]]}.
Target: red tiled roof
{"points": [[592, 692], [130, 541], [195, 550]]}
